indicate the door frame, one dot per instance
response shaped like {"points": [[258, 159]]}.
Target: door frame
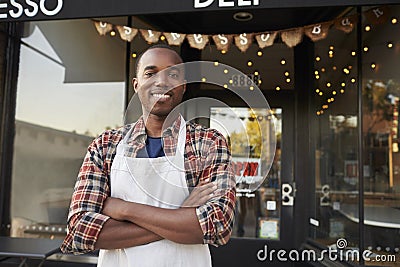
{"points": [[296, 170], [243, 251]]}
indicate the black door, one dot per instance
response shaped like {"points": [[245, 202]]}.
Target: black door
{"points": [[264, 218]]}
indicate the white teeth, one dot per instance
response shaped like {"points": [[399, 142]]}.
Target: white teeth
{"points": [[161, 96]]}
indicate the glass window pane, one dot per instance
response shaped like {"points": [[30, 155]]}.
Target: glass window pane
{"points": [[68, 93], [336, 136], [381, 95], [257, 212]]}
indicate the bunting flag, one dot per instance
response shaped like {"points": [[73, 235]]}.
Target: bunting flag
{"points": [[103, 27], [127, 33], [243, 41], [198, 41], [291, 37], [346, 24], [222, 41], [150, 36], [378, 15], [174, 38], [317, 32], [266, 39]]}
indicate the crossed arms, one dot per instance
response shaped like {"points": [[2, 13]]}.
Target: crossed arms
{"points": [[98, 221], [132, 224]]}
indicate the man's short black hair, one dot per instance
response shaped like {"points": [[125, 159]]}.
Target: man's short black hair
{"points": [[165, 46]]}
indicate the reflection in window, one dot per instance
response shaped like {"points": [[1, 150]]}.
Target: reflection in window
{"points": [[381, 164], [336, 137], [56, 119], [336, 151], [257, 212]]}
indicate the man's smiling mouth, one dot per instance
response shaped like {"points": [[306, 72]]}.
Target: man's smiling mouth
{"points": [[161, 96]]}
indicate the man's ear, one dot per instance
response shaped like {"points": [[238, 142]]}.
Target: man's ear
{"points": [[135, 84], [184, 87]]}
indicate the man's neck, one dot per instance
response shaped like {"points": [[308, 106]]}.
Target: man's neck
{"points": [[156, 124]]}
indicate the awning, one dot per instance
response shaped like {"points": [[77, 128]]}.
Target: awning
{"points": [[23, 10]]}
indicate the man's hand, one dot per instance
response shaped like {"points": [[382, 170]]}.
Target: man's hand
{"points": [[114, 208], [200, 195]]}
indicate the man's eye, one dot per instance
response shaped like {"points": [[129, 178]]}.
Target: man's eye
{"points": [[174, 75], [149, 74]]}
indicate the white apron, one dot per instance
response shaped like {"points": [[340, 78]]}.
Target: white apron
{"points": [[159, 182]]}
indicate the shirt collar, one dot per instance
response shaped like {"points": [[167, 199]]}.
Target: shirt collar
{"points": [[138, 134]]}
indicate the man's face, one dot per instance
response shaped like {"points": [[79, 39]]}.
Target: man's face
{"points": [[159, 83]]}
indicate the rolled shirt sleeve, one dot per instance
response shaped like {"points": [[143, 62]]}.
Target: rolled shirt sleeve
{"points": [[91, 190], [216, 217]]}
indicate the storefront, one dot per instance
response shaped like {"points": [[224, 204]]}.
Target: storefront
{"points": [[330, 73]]}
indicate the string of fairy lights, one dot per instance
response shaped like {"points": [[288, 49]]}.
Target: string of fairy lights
{"points": [[330, 93], [326, 89], [256, 75]]}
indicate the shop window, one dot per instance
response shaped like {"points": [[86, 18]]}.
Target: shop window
{"points": [[257, 211], [335, 132], [381, 160], [336, 135], [70, 89]]}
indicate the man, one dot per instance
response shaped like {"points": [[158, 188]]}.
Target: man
{"points": [[139, 200]]}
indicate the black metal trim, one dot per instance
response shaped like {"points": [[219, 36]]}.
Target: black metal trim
{"points": [[7, 121], [360, 135], [305, 181], [73, 9]]}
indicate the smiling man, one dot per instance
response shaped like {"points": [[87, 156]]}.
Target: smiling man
{"points": [[156, 192]]}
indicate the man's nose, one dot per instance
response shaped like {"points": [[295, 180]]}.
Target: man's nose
{"points": [[161, 79]]}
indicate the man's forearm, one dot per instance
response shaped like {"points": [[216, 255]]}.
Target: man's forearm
{"points": [[117, 234], [178, 225]]}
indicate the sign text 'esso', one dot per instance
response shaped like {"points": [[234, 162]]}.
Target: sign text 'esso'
{"points": [[30, 8]]}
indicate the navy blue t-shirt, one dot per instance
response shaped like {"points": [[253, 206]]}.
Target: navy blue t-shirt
{"points": [[153, 148]]}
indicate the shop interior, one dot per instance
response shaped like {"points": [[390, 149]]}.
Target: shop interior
{"points": [[87, 72]]}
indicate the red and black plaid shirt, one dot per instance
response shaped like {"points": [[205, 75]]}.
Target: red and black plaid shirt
{"points": [[206, 156]]}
